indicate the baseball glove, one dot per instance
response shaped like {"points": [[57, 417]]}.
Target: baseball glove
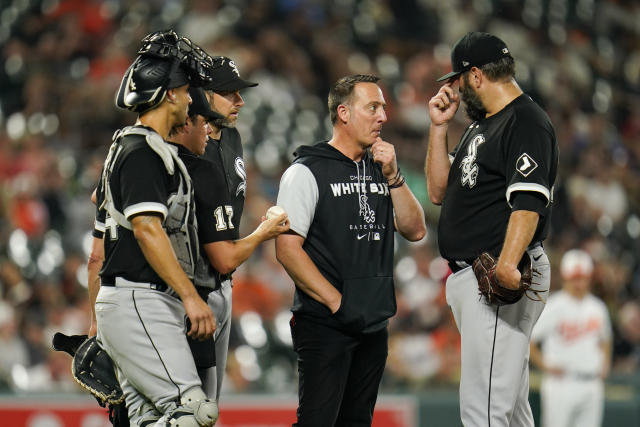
{"points": [[93, 369], [484, 267]]}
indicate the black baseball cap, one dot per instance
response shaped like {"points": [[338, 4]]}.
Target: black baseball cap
{"points": [[225, 76], [475, 49], [200, 105]]}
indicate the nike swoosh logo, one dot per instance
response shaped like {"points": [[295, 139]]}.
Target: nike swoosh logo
{"points": [[360, 237], [537, 258]]}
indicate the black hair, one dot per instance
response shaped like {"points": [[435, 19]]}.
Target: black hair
{"points": [[503, 69]]}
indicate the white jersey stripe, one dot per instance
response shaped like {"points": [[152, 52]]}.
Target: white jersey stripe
{"points": [[528, 186], [146, 207]]}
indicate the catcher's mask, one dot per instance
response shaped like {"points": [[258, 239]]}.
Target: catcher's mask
{"points": [[165, 61]]}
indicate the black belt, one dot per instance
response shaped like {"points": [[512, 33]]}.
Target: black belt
{"points": [[220, 279], [459, 265], [203, 291]]}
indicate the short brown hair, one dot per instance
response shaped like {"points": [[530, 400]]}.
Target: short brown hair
{"points": [[341, 91]]}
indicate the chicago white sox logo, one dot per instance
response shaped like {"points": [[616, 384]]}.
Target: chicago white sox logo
{"points": [[235, 68], [242, 173], [468, 165], [525, 164], [365, 212]]}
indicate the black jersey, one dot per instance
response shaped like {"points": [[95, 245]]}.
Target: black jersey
{"points": [[139, 183], [214, 210], [226, 190], [513, 150]]}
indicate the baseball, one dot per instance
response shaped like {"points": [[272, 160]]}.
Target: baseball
{"points": [[275, 211]]}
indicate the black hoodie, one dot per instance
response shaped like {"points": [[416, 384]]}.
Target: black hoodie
{"points": [[350, 239]]}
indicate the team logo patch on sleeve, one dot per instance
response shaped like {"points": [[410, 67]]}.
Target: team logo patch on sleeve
{"points": [[525, 164]]}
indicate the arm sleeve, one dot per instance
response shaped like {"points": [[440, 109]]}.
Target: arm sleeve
{"points": [[528, 159], [143, 184], [298, 195], [214, 210]]}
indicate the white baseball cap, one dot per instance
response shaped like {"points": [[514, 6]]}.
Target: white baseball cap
{"points": [[576, 263]]}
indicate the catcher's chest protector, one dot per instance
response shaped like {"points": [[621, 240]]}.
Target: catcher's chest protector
{"points": [[180, 222]]}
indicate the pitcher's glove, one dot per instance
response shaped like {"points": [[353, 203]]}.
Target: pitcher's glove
{"points": [[93, 369], [484, 267]]}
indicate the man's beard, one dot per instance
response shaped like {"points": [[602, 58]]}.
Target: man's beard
{"points": [[473, 105], [223, 123]]}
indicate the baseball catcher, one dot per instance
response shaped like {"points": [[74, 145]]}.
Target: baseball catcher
{"points": [[92, 368]]}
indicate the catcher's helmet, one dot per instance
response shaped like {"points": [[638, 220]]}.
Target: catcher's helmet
{"points": [[165, 61]]}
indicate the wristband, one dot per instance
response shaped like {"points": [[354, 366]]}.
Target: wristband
{"points": [[397, 181]]}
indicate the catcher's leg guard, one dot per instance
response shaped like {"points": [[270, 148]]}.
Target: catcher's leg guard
{"points": [[181, 417], [205, 410], [146, 416]]}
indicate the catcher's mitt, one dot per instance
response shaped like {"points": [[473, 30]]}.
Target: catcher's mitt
{"points": [[484, 267], [93, 369]]}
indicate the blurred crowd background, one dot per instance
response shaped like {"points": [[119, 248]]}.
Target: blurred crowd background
{"points": [[62, 60]]}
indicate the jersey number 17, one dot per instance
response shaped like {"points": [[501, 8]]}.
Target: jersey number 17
{"points": [[223, 223]]}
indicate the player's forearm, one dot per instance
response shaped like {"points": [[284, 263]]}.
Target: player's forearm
{"points": [[305, 274], [520, 230], [409, 216], [607, 348], [94, 264], [437, 164], [158, 252], [225, 256]]}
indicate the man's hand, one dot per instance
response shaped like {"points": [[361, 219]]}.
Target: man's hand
{"points": [[443, 106], [508, 275], [273, 227], [385, 154], [335, 304], [203, 324], [555, 371]]}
